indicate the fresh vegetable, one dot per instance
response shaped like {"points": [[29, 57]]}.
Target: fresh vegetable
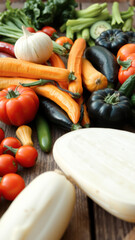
{"points": [[11, 142], [50, 31], [98, 27], [96, 161], [52, 210], [1, 150], [91, 11], [11, 185], [92, 79], [69, 33], [19, 68], [127, 26], [19, 105], [33, 47], [31, 29], [125, 51], [2, 134], [8, 164], [5, 55], [128, 87], [7, 48], [132, 100], [43, 133], [25, 155], [86, 34], [49, 13], [56, 115], [116, 16], [85, 120], [65, 42], [131, 36], [127, 68], [24, 134], [104, 61], [63, 99], [109, 108], [112, 39], [56, 61], [74, 65]]}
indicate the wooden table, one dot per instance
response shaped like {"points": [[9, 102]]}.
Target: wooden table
{"points": [[89, 221]]}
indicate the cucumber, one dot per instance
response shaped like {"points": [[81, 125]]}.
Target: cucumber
{"points": [[98, 27]]}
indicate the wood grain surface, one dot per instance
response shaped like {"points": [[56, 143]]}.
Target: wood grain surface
{"points": [[89, 221]]}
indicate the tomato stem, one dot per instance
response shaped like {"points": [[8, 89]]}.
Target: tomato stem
{"points": [[12, 94], [14, 150], [125, 64]]}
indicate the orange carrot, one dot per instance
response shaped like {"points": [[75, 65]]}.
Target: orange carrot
{"points": [[10, 67], [63, 99], [56, 61], [74, 65], [85, 120]]}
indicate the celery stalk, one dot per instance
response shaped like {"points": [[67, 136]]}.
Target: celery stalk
{"points": [[127, 25], [92, 11]]}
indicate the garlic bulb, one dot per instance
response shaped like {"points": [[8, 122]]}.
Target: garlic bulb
{"points": [[33, 47]]}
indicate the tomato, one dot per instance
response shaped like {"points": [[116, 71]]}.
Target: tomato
{"points": [[1, 149], [18, 105], [11, 185], [8, 164], [2, 134], [128, 70], [50, 31], [12, 142], [65, 42], [31, 29], [125, 51], [26, 156]]}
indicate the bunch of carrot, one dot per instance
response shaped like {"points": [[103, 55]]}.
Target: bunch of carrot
{"points": [[14, 71]]}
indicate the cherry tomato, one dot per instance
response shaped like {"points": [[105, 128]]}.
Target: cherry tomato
{"points": [[8, 164], [11, 142], [126, 50], [65, 42], [26, 156], [50, 31], [1, 149], [31, 29], [2, 134], [11, 185]]}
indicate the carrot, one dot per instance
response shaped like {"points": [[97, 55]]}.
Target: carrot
{"points": [[63, 99], [56, 61], [19, 68], [74, 65], [85, 120]]}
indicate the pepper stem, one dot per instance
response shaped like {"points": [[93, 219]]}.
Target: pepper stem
{"points": [[13, 150], [125, 64], [112, 99]]}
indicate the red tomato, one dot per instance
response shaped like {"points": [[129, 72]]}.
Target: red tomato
{"points": [[125, 51], [125, 73], [1, 149], [19, 105], [11, 185], [11, 142], [31, 29], [2, 134], [26, 156], [65, 42], [8, 164], [50, 31]]}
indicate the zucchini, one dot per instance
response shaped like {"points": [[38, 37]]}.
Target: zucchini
{"points": [[133, 100], [56, 115], [104, 61], [128, 87], [43, 133]]}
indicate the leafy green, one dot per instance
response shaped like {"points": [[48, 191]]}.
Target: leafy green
{"points": [[51, 12]]}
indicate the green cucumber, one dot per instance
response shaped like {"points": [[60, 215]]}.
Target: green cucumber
{"points": [[132, 99], [98, 27], [128, 87], [43, 133]]}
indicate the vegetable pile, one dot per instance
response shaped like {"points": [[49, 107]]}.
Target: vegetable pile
{"points": [[82, 79]]}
